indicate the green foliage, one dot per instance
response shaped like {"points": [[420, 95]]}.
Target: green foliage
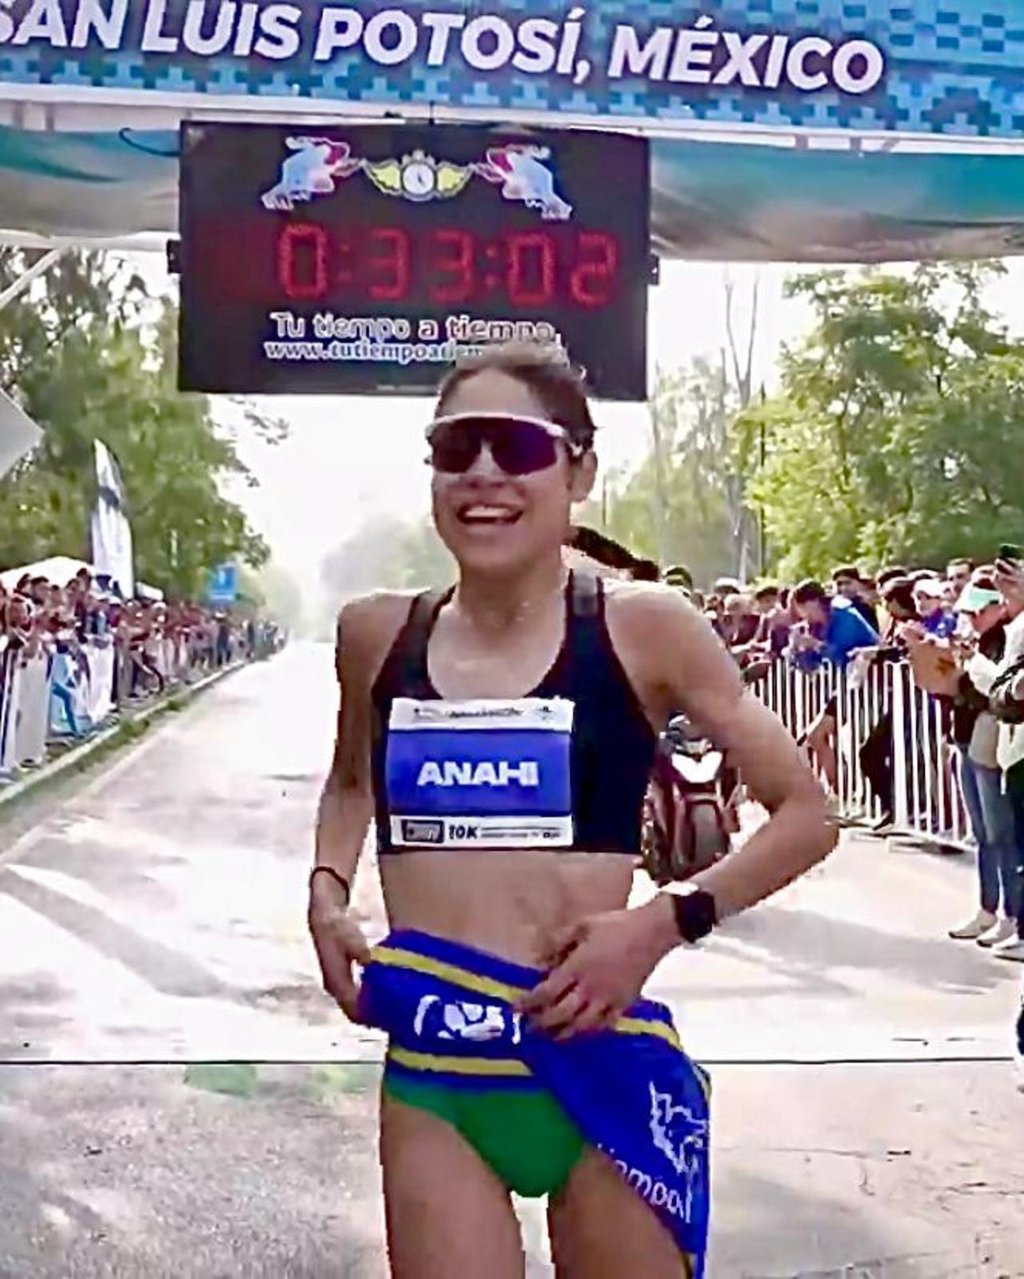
{"points": [[687, 509], [88, 356], [386, 553], [895, 433]]}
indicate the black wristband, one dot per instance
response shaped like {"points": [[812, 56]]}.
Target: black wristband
{"points": [[696, 914], [335, 875]]}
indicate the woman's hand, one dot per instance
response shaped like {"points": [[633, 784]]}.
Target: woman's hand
{"points": [[599, 966], [339, 942]]}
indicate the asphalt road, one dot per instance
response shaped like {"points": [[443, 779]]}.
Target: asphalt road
{"points": [[152, 923]]}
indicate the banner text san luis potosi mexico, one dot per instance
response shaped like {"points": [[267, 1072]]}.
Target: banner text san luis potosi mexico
{"points": [[912, 66]]}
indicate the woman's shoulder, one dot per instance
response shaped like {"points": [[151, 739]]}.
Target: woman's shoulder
{"points": [[637, 603], [367, 627], [647, 618]]}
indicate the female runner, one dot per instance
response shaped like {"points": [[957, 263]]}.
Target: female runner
{"points": [[511, 451]]}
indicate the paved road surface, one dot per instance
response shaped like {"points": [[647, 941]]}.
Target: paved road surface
{"points": [[156, 915]]}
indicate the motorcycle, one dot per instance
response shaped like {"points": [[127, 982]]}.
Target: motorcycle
{"points": [[687, 822], [691, 806]]}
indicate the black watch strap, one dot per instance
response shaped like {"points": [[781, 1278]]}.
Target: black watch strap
{"points": [[696, 913]]}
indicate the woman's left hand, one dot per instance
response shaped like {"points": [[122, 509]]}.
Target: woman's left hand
{"points": [[599, 966]]}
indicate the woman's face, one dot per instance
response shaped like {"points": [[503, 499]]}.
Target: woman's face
{"points": [[493, 521]]}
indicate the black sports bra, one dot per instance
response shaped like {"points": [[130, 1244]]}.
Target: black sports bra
{"points": [[580, 786]]}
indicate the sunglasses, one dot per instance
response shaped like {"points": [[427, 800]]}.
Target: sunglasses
{"points": [[519, 445]]}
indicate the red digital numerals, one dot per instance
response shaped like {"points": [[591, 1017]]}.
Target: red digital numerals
{"points": [[447, 266]]}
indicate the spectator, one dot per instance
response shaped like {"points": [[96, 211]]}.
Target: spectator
{"points": [[849, 585], [830, 630], [976, 736], [931, 596], [679, 575], [958, 575], [740, 621], [1007, 703]]}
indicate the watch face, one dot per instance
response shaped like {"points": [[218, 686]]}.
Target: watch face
{"points": [[695, 911]]}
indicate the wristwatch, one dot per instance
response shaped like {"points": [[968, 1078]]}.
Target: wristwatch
{"points": [[695, 910]]}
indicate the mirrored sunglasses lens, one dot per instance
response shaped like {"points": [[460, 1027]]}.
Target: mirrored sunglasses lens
{"points": [[520, 448], [454, 448]]}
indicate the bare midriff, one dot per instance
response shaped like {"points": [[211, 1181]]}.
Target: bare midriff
{"points": [[506, 902]]}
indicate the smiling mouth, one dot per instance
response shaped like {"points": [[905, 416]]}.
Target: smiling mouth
{"points": [[480, 515]]}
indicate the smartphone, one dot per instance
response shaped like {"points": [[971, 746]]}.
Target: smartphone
{"points": [[1012, 554]]}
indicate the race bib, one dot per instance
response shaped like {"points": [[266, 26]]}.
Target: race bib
{"points": [[488, 773]]}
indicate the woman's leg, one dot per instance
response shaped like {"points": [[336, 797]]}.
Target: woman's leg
{"points": [[447, 1213], [1001, 832], [602, 1229], [973, 784], [65, 696], [821, 738], [876, 763]]}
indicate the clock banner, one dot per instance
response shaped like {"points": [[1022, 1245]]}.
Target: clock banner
{"points": [[912, 66]]}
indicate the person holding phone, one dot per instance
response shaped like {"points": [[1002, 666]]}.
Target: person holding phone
{"points": [[1004, 687]]}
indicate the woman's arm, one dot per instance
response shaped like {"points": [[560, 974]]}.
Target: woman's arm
{"points": [[705, 684], [366, 630], [599, 964]]}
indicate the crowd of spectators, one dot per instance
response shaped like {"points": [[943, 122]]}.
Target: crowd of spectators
{"points": [[961, 632], [154, 642]]}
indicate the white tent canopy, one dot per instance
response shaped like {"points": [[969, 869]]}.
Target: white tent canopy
{"points": [[58, 569]]}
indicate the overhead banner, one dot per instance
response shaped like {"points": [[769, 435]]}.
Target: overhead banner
{"points": [[710, 201], [916, 66]]}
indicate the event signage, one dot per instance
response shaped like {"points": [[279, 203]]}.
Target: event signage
{"points": [[361, 258], [223, 587], [875, 65]]}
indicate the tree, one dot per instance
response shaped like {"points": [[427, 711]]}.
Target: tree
{"points": [[89, 357], [895, 435], [675, 507]]}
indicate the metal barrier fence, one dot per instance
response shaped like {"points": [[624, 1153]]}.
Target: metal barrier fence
{"points": [[45, 697], [887, 731]]}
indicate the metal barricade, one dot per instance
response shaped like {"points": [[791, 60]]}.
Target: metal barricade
{"points": [[929, 799], [909, 739]]}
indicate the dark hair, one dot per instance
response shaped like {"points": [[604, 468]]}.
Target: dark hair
{"points": [[645, 571], [889, 575], [766, 593], [600, 547], [810, 592], [840, 573], [982, 581], [900, 591], [541, 366], [679, 575]]}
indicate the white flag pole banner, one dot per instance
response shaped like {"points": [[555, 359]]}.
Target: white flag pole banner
{"points": [[111, 532], [18, 434]]}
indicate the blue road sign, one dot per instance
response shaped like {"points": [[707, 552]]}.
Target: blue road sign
{"points": [[223, 585]]}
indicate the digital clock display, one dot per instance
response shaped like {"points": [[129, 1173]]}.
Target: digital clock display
{"points": [[367, 258]]}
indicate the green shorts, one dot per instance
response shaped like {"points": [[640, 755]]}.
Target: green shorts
{"points": [[523, 1135]]}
